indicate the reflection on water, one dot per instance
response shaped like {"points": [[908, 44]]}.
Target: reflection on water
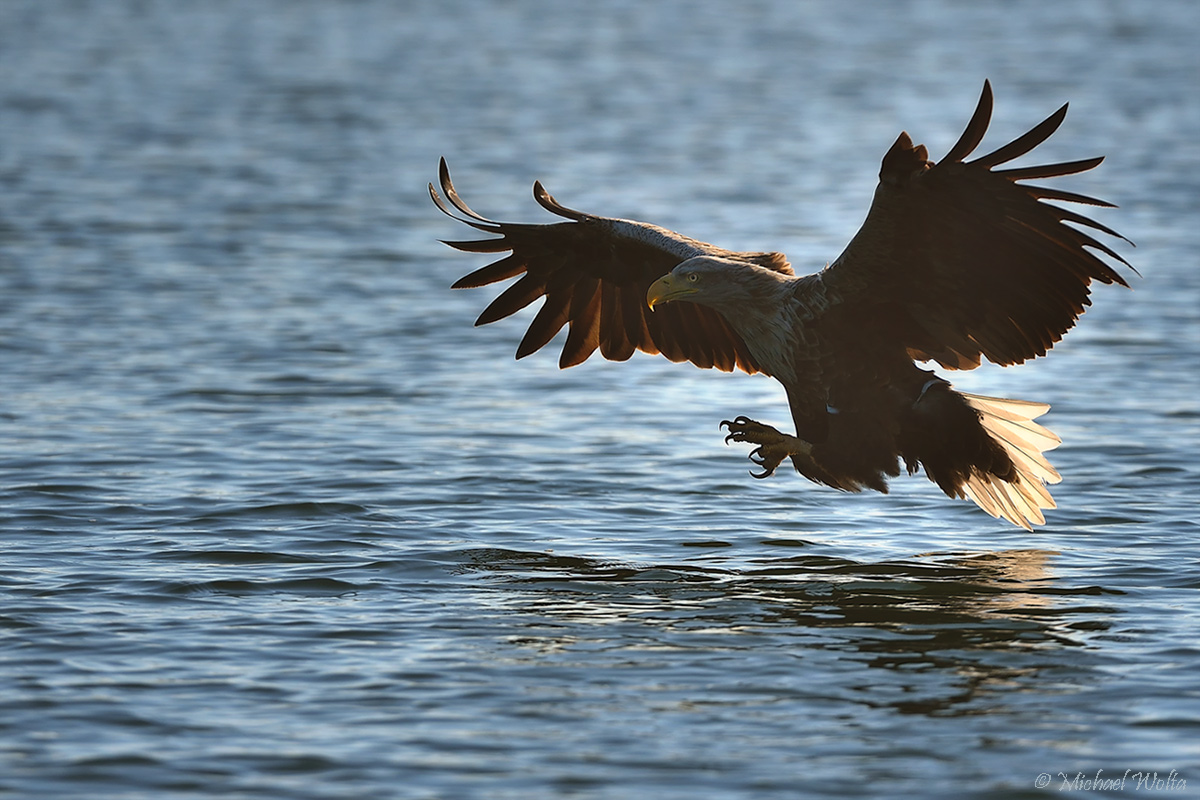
{"points": [[1024, 571], [951, 613]]}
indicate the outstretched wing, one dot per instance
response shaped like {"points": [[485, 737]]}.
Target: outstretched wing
{"points": [[965, 261], [594, 273]]}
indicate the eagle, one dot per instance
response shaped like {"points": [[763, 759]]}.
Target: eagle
{"points": [[957, 261]]}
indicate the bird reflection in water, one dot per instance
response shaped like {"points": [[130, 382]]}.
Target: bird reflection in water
{"points": [[938, 633]]}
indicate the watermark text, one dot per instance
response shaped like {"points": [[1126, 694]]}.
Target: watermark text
{"points": [[1131, 780]]}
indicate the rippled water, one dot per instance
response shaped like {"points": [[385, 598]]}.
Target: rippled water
{"points": [[279, 523]]}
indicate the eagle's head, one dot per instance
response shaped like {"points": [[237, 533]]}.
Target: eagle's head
{"points": [[724, 284]]}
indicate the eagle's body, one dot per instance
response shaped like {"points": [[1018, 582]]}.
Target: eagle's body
{"points": [[955, 262]]}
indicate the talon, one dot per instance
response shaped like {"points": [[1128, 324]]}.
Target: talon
{"points": [[773, 447], [738, 429]]}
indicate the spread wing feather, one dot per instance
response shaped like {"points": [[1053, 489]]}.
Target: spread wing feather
{"points": [[593, 273], [969, 261]]}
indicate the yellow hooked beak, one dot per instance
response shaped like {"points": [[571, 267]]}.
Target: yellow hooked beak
{"points": [[666, 289]]}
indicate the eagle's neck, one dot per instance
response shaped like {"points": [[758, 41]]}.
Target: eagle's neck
{"points": [[770, 323], [771, 341]]}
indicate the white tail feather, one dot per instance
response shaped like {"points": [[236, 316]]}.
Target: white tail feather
{"points": [[1010, 423]]}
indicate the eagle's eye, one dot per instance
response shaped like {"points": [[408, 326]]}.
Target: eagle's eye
{"points": [[693, 277]]}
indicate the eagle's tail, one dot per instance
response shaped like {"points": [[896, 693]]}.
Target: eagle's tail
{"points": [[1010, 423]]}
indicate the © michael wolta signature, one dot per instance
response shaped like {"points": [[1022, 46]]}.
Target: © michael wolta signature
{"points": [[1134, 780]]}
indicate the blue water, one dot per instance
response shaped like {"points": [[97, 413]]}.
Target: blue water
{"points": [[278, 522]]}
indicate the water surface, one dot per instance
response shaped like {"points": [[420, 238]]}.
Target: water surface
{"points": [[279, 523]]}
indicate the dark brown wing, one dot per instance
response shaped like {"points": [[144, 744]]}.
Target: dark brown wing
{"points": [[966, 260], [594, 273]]}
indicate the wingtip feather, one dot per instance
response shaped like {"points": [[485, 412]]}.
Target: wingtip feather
{"points": [[547, 201], [972, 135], [452, 195], [1025, 142]]}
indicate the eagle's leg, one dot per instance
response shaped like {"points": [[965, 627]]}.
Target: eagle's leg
{"points": [[773, 446]]}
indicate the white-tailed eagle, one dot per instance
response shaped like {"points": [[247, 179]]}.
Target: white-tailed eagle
{"points": [[957, 261]]}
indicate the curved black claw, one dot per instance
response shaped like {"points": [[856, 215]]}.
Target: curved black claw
{"points": [[769, 453], [768, 463], [766, 473], [736, 435]]}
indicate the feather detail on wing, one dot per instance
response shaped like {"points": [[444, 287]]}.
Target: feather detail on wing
{"points": [[593, 273], [1011, 424], [969, 261]]}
